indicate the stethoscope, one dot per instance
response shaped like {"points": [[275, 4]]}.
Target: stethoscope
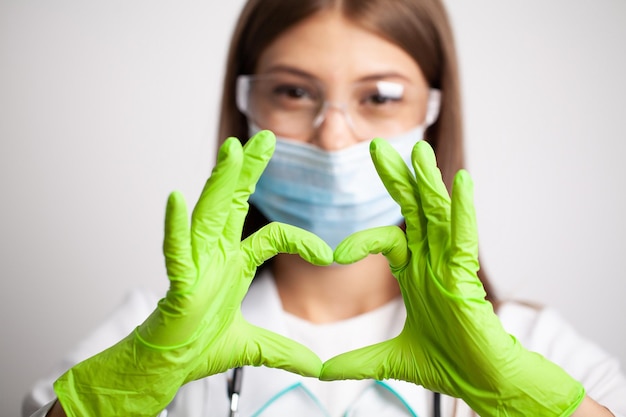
{"points": [[234, 389]]}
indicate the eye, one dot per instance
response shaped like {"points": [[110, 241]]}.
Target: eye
{"points": [[383, 92], [292, 91], [381, 99]]}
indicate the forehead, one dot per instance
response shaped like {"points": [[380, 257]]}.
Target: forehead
{"points": [[333, 49]]}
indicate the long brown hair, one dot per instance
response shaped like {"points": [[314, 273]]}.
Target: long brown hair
{"points": [[420, 27]]}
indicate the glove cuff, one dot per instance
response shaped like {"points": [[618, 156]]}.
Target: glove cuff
{"points": [[125, 379], [535, 387]]}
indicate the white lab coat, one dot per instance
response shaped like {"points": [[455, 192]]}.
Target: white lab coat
{"points": [[541, 330]]}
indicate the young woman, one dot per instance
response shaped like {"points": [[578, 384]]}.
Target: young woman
{"points": [[370, 297]]}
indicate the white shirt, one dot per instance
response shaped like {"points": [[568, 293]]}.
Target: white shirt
{"points": [[540, 330]]}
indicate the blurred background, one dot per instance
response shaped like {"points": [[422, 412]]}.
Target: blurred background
{"points": [[106, 107]]}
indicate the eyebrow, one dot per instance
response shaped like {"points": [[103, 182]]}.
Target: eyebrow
{"points": [[289, 70], [302, 73]]}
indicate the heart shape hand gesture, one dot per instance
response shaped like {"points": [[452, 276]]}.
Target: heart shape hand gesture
{"points": [[452, 341]]}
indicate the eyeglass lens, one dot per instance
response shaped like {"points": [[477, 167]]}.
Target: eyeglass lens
{"points": [[294, 106]]}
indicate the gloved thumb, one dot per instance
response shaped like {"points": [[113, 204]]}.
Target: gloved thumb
{"points": [[388, 240], [369, 362], [270, 349]]}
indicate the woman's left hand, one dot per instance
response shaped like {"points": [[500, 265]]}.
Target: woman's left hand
{"points": [[452, 341]]}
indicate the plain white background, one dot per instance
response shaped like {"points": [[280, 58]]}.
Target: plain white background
{"points": [[106, 107]]}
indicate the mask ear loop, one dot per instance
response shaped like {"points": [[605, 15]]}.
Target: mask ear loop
{"points": [[433, 106]]}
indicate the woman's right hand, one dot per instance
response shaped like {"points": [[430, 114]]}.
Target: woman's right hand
{"points": [[198, 330]]}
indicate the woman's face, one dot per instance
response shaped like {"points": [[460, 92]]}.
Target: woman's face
{"points": [[375, 87]]}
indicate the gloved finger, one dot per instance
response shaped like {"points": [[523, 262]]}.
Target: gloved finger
{"points": [[256, 154], [464, 243], [275, 238], [401, 185], [270, 349], [177, 244], [388, 240], [433, 195], [214, 205], [370, 362]]}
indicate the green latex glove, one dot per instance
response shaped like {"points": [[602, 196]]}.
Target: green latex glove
{"points": [[198, 329], [452, 341]]}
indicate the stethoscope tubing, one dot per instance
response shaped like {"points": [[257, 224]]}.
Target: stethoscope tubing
{"points": [[234, 388]]}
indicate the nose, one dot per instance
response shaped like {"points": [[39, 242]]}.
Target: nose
{"points": [[334, 131]]}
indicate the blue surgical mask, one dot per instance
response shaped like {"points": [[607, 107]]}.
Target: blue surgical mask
{"points": [[331, 193]]}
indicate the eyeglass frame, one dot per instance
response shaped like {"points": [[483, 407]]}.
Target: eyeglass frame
{"points": [[433, 104]]}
